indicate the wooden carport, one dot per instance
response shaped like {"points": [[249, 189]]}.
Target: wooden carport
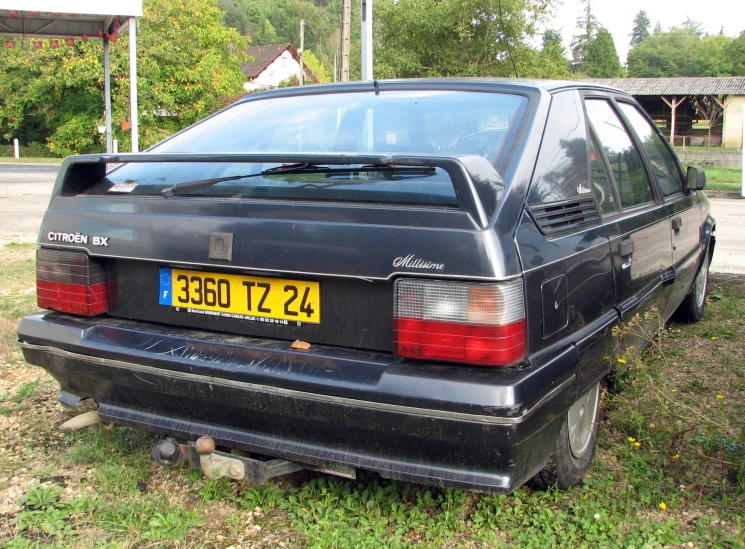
{"points": [[669, 100]]}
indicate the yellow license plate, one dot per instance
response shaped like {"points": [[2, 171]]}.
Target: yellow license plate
{"points": [[241, 297]]}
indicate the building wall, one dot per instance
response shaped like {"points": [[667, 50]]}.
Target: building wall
{"points": [[709, 159], [734, 106], [282, 68]]}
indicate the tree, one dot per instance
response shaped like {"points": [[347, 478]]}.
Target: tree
{"points": [[186, 71], [641, 28], [315, 66], [735, 52], [681, 51], [457, 38], [588, 24], [235, 17], [601, 58], [710, 108]]}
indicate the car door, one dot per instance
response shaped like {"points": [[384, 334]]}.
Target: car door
{"points": [[681, 207], [639, 235]]}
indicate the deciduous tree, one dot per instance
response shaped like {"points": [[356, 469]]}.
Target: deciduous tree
{"points": [[185, 70], [458, 37]]}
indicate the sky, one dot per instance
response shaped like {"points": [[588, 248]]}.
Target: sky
{"points": [[618, 16]]}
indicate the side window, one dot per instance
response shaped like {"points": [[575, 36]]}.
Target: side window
{"points": [[599, 181], [663, 164], [625, 160], [561, 169]]}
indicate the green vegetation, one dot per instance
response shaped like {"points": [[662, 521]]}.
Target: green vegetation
{"points": [[54, 96], [723, 175], [669, 471], [685, 50], [30, 160]]}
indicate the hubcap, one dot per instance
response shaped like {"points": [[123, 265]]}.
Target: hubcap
{"points": [[701, 279], [580, 419]]}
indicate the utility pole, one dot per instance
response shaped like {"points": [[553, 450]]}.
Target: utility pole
{"points": [[367, 44], [302, 52], [346, 14]]}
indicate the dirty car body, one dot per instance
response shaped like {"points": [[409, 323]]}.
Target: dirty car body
{"points": [[455, 253]]}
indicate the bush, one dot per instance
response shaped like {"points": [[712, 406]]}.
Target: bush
{"points": [[32, 150]]}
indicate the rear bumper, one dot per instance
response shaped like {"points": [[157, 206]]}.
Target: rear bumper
{"points": [[474, 428]]}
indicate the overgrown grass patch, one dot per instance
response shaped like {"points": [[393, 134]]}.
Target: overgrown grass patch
{"points": [[669, 469]]}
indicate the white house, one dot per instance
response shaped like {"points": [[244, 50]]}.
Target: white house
{"points": [[272, 64]]}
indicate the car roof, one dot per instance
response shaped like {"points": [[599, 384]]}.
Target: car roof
{"points": [[483, 84]]}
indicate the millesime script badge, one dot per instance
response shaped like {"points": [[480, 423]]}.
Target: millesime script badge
{"points": [[413, 262]]}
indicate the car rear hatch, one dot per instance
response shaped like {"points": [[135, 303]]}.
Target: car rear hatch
{"points": [[317, 271]]}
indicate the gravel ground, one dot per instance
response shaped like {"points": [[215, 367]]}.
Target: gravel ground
{"points": [[20, 217]]}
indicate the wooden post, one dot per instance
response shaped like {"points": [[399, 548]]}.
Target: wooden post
{"points": [[673, 104], [346, 14]]}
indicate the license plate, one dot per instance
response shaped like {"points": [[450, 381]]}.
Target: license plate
{"points": [[242, 297]]}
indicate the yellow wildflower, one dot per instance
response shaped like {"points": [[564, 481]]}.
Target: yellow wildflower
{"points": [[676, 456], [637, 444], [714, 338], [663, 505], [622, 360], [720, 397], [631, 439]]}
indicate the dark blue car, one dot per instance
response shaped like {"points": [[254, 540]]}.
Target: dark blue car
{"points": [[417, 278]]}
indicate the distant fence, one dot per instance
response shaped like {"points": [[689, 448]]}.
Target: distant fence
{"points": [[717, 159]]}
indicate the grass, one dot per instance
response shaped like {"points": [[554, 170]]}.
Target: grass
{"points": [[669, 470], [723, 175], [30, 160]]}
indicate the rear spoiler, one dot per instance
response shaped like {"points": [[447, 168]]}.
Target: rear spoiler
{"points": [[478, 186]]}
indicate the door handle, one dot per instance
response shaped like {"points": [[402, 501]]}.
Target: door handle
{"points": [[626, 264], [626, 247]]}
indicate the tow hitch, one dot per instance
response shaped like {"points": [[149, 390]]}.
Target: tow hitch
{"points": [[214, 463]]}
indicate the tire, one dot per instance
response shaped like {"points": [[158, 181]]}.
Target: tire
{"points": [[575, 446], [692, 307]]}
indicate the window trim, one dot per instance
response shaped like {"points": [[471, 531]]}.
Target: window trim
{"points": [[656, 195], [683, 191], [592, 137]]}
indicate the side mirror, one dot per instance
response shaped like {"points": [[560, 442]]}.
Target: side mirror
{"points": [[696, 178]]}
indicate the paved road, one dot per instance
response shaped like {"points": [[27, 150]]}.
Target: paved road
{"points": [[27, 179], [729, 254], [25, 189]]}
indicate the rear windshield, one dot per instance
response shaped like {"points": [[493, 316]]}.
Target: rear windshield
{"points": [[448, 123]]}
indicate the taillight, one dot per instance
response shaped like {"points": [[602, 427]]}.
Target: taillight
{"points": [[70, 282], [459, 322]]}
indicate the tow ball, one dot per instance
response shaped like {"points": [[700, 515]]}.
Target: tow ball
{"points": [[215, 464]]}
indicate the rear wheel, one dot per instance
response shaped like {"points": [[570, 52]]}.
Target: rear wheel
{"points": [[692, 307], [575, 445]]}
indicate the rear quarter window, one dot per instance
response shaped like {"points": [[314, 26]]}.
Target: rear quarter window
{"points": [[561, 169]]}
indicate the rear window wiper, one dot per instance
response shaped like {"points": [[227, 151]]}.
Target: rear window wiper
{"points": [[189, 186], [301, 167]]}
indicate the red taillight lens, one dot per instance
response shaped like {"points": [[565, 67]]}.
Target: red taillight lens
{"points": [[71, 282], [480, 324]]}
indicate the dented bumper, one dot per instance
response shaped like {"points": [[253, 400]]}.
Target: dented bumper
{"points": [[468, 427]]}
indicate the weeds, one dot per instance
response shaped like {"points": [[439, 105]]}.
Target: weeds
{"points": [[669, 470]]}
